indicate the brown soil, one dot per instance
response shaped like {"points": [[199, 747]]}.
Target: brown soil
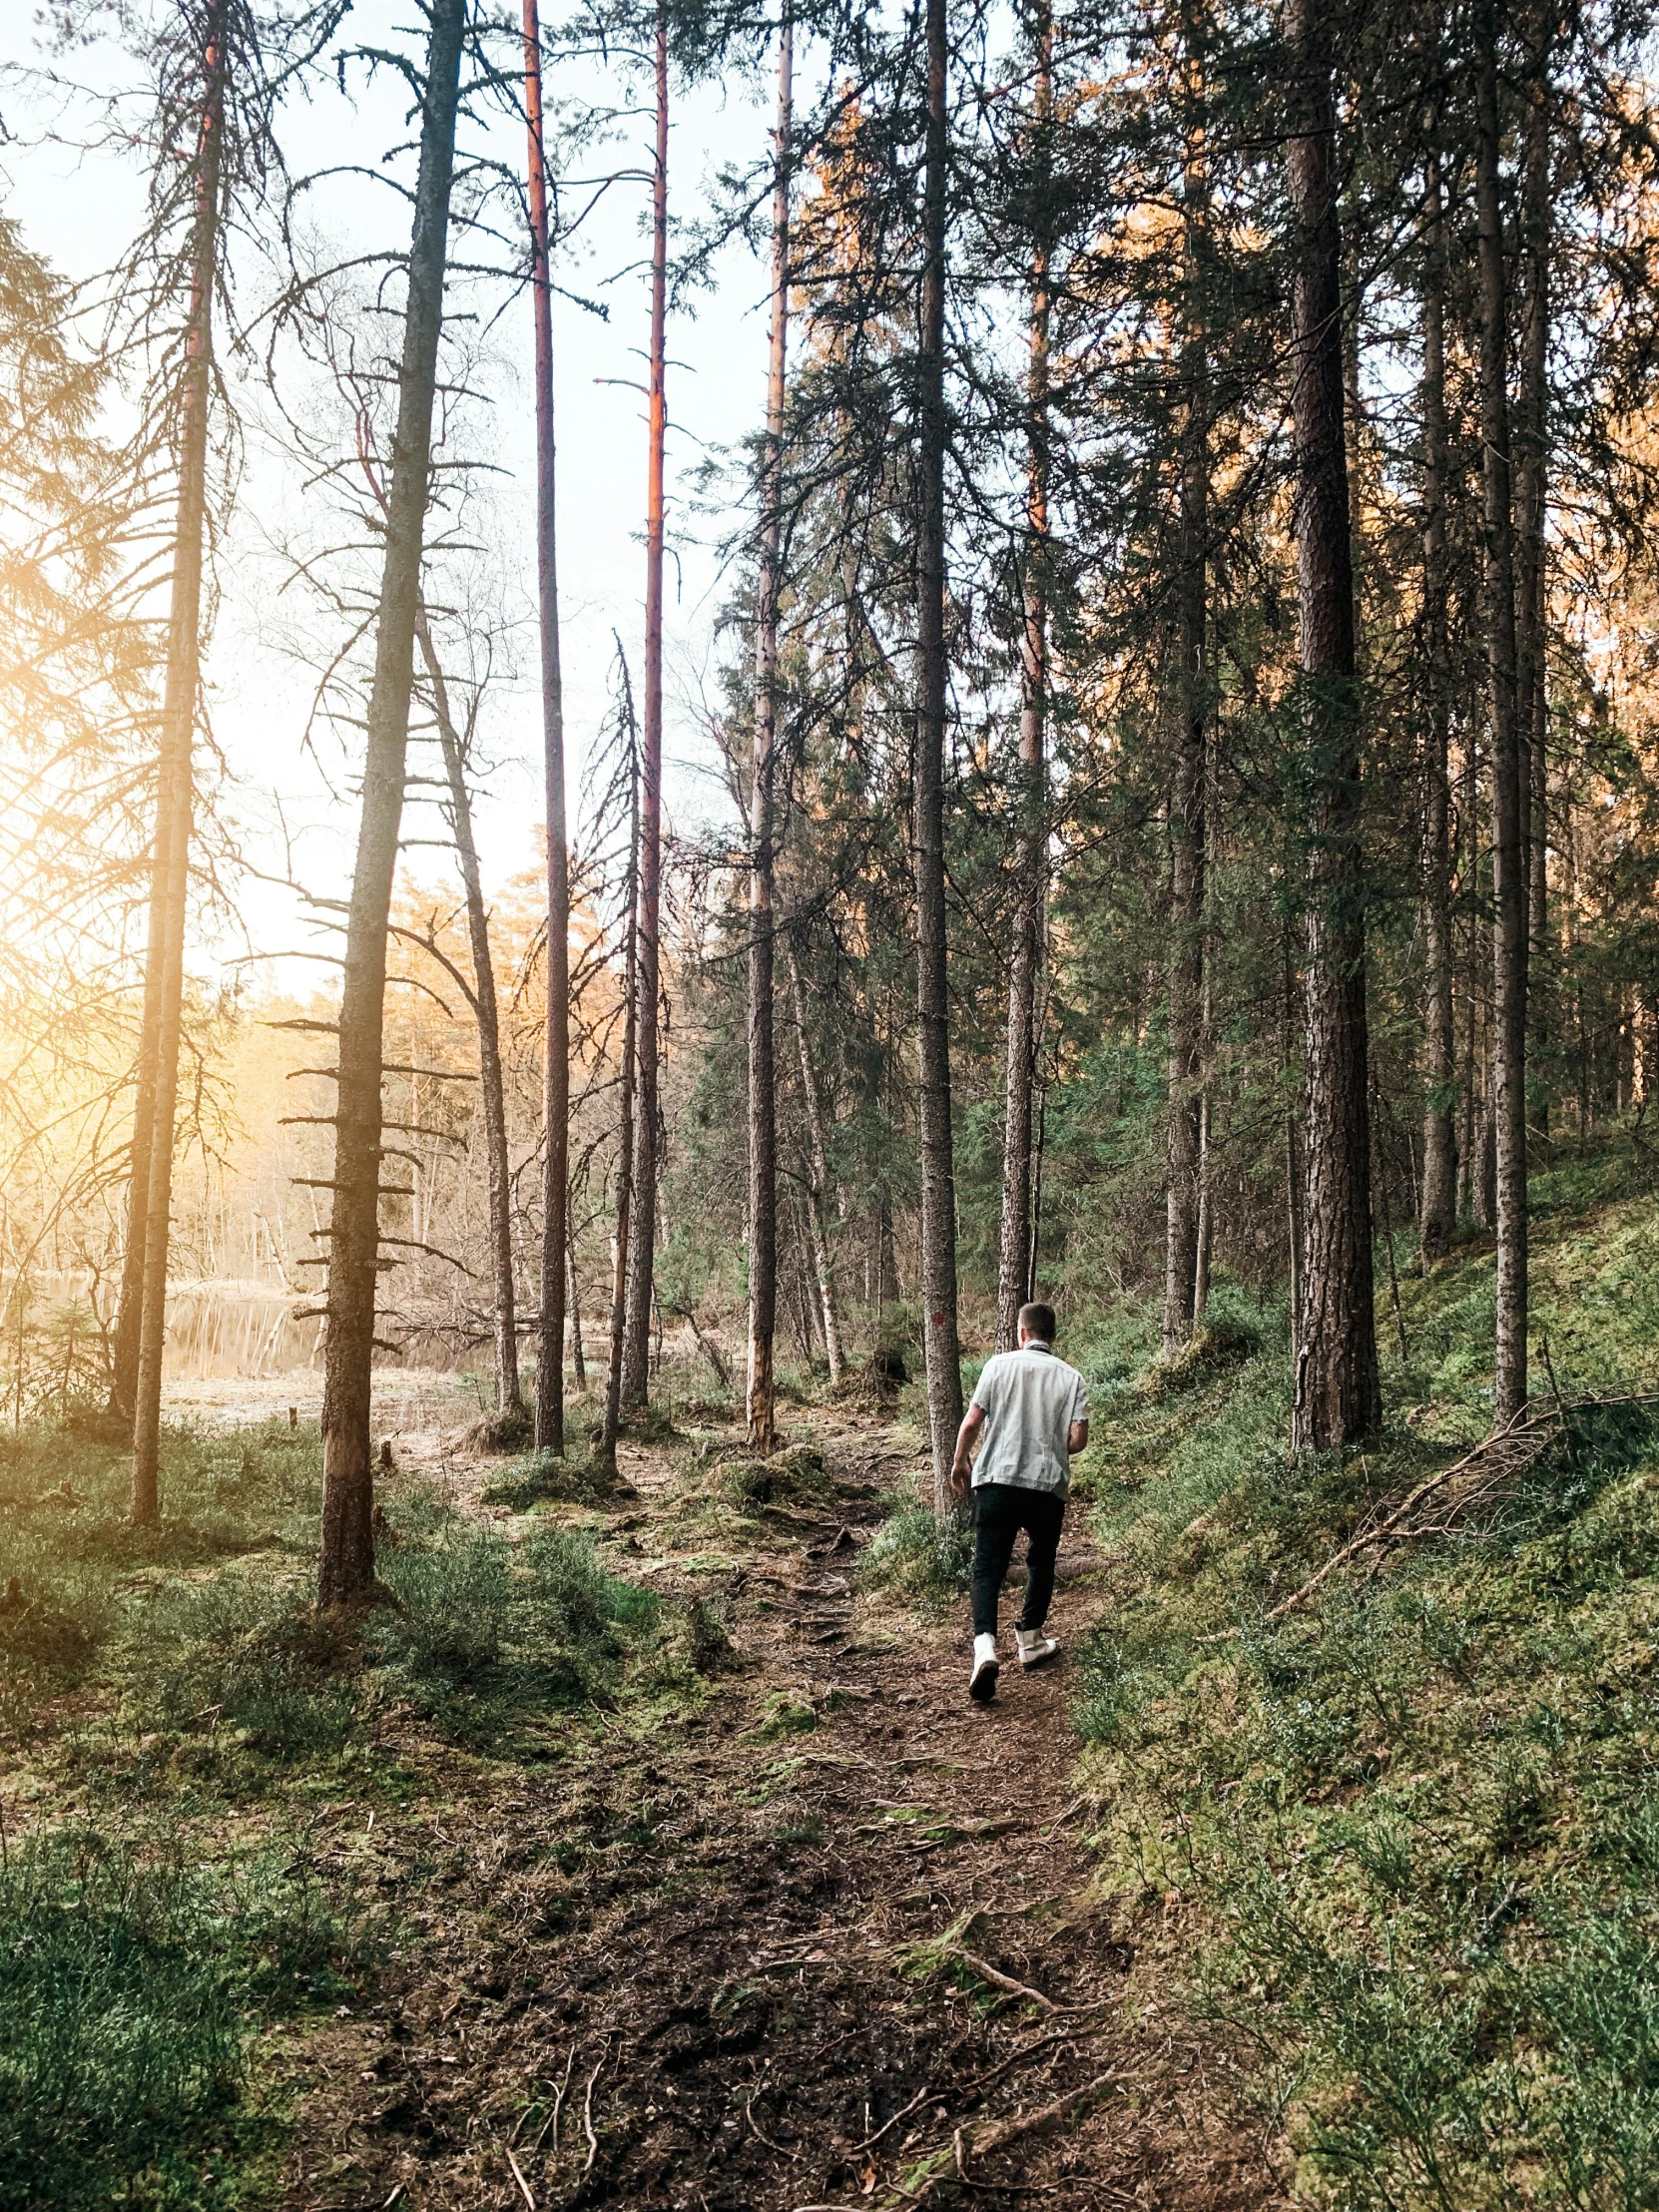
{"points": [[717, 1961]]}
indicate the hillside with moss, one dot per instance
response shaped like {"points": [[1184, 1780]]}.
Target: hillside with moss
{"points": [[1403, 1839]]}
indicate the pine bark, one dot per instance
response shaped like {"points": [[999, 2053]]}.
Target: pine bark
{"points": [[1189, 778], [762, 1404], [1510, 864], [636, 1350], [1532, 508], [175, 804], [611, 1421], [486, 1012], [938, 1181], [550, 1358], [1013, 1285], [345, 1571], [1336, 1390], [818, 1214], [1437, 1211]]}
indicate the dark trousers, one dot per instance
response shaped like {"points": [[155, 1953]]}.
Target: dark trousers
{"points": [[1000, 1512]]}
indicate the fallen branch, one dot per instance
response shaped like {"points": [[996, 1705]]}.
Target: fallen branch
{"points": [[999, 2133], [587, 2121], [920, 2097], [524, 2186], [754, 2128], [1006, 1981]]}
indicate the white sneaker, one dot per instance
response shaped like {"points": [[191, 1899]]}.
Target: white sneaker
{"points": [[1034, 1647], [983, 1681]]}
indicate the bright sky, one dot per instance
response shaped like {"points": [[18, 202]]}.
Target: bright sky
{"points": [[77, 208]]}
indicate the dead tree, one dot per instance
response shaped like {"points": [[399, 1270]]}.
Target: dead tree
{"points": [[175, 807], [636, 1350], [817, 1150], [482, 997], [345, 1568], [550, 1361]]}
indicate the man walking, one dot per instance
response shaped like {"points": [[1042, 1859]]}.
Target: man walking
{"points": [[1034, 1410]]}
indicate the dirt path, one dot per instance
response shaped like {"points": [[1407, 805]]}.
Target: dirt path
{"points": [[761, 1959]]}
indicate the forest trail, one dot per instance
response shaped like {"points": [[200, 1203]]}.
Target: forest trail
{"points": [[746, 1957]]}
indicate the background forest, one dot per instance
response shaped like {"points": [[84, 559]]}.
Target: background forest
{"points": [[1153, 805]]}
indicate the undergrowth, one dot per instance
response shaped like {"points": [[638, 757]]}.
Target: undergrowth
{"points": [[165, 1693], [1416, 1820]]}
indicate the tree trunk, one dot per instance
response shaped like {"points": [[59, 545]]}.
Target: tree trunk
{"points": [[1337, 1392], [578, 1351], [130, 1307], [938, 1180], [1437, 1213], [550, 1356], [612, 1418], [345, 1568], [490, 1079], [1188, 790], [174, 799], [817, 1214], [763, 1073], [636, 1350], [1013, 1285], [1531, 507], [1509, 869]]}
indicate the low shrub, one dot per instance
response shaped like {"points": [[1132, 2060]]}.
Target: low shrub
{"points": [[917, 1554]]}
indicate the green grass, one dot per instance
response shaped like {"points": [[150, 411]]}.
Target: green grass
{"points": [[166, 1692], [131, 1980], [1410, 1832]]}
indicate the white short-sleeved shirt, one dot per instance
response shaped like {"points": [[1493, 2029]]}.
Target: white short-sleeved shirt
{"points": [[1030, 1400]]}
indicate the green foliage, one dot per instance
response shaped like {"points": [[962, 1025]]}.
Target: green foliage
{"points": [[918, 1557], [486, 1634]]}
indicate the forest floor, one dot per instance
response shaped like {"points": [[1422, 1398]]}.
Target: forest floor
{"points": [[643, 1848], [821, 1936]]}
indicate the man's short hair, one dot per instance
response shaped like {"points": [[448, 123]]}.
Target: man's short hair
{"points": [[1038, 1322]]}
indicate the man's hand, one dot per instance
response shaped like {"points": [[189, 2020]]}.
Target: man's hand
{"points": [[961, 1464], [1077, 1435]]}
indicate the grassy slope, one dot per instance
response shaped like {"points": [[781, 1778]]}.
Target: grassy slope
{"points": [[176, 1728], [1411, 1833]]}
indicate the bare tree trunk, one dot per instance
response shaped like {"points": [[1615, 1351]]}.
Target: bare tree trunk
{"points": [[1531, 507], [1189, 781], [612, 1420], [175, 794], [763, 1073], [818, 1214], [346, 1569], [1337, 1398], [1509, 869], [550, 1356], [578, 1352], [1437, 1216], [1013, 1285], [938, 1179], [636, 1348], [130, 1307], [1205, 1124], [487, 1014]]}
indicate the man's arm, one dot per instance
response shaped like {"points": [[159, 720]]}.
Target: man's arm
{"points": [[1077, 1435], [972, 1422]]}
